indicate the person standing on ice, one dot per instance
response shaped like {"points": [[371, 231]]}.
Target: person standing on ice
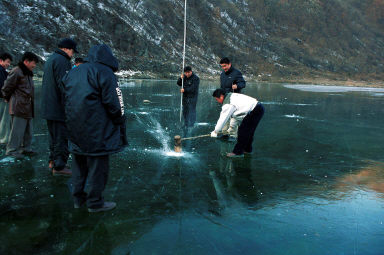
{"points": [[5, 119], [190, 94], [231, 80], [52, 107], [235, 104], [19, 91], [94, 113]]}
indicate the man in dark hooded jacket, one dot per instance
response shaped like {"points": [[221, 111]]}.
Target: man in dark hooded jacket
{"points": [[190, 92], [95, 120], [52, 107]]}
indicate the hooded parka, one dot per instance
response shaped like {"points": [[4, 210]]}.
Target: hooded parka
{"points": [[94, 107]]}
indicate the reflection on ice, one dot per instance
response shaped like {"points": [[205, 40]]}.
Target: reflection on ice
{"points": [[281, 103], [378, 94], [174, 154], [160, 110], [40, 134], [162, 95], [293, 116], [370, 177], [202, 124], [328, 89], [168, 153], [154, 109], [7, 160], [128, 84]]}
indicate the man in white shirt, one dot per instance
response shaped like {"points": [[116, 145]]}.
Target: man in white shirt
{"points": [[236, 105]]}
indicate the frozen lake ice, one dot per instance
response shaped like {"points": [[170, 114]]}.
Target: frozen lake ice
{"points": [[314, 184]]}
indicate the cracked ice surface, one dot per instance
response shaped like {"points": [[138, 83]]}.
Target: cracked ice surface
{"points": [[317, 161]]}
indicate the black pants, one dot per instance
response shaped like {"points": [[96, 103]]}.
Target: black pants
{"points": [[247, 130], [95, 169], [58, 143], [189, 111]]}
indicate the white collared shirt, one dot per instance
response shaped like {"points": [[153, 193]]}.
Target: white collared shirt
{"points": [[235, 105]]}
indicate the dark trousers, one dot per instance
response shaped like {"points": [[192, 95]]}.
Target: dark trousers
{"points": [[189, 111], [95, 169], [58, 143], [5, 122], [247, 129]]}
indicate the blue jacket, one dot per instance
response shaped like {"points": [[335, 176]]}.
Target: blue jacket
{"points": [[232, 76], [191, 86], [94, 108], [52, 107]]}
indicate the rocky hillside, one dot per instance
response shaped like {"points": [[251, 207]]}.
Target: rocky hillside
{"points": [[264, 38]]}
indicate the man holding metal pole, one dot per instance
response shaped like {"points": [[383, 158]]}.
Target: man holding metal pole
{"points": [[190, 94]]}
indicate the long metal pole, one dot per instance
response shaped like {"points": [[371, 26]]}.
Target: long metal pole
{"points": [[182, 71], [194, 137]]}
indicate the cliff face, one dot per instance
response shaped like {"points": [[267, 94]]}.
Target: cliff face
{"points": [[281, 38]]}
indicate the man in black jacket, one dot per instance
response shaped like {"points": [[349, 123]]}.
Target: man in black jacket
{"points": [[95, 120], [190, 92], [52, 107], [231, 80], [5, 118]]}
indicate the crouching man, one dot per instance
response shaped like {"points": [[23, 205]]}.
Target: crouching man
{"points": [[234, 105], [94, 115]]}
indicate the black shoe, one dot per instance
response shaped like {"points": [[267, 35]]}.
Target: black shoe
{"points": [[224, 137], [30, 153], [106, 207], [232, 139], [15, 155], [233, 155], [63, 172], [78, 206]]}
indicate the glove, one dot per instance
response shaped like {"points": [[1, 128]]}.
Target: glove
{"points": [[213, 134]]}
